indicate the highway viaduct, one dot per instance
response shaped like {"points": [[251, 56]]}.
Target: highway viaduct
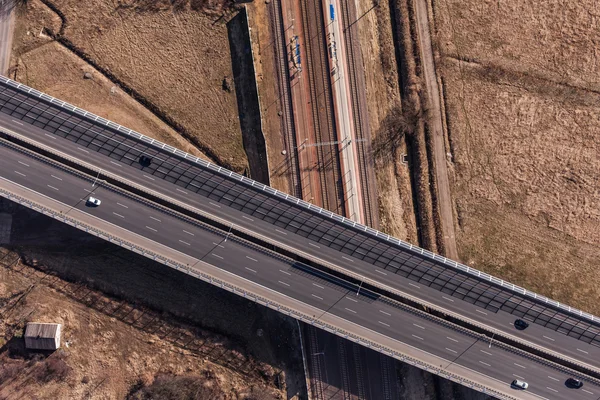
{"points": [[40, 178]]}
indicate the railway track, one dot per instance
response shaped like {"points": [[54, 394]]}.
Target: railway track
{"points": [[360, 379], [385, 377], [322, 105], [317, 383], [361, 123], [344, 370], [283, 80]]}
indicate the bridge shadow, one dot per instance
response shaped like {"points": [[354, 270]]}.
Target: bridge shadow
{"points": [[192, 315]]}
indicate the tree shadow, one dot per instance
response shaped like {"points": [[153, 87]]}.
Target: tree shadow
{"points": [[395, 126]]}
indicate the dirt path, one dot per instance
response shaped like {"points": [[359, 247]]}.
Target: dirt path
{"points": [[7, 24], [444, 197]]}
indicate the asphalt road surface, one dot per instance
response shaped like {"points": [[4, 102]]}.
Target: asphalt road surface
{"points": [[500, 322], [281, 276]]}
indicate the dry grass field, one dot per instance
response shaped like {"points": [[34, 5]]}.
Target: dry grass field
{"points": [[128, 321], [176, 56], [522, 93], [396, 209], [102, 357], [42, 63]]}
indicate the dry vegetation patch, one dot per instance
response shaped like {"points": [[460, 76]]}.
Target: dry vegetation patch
{"points": [[105, 356], [175, 56], [524, 126], [396, 209]]}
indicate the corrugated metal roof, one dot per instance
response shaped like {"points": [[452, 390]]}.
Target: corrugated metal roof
{"points": [[41, 330], [42, 336]]}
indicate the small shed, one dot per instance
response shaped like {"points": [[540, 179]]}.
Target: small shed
{"points": [[42, 336]]}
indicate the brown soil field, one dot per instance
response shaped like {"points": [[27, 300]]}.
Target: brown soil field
{"points": [[177, 57], [522, 95], [128, 319], [104, 356]]}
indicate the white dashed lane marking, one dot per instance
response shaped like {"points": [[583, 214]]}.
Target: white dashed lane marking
{"points": [[347, 259], [381, 272], [484, 363], [318, 297], [118, 215], [216, 255], [352, 311], [283, 283], [122, 205], [453, 351], [418, 337], [383, 323], [454, 340], [182, 191], [285, 272], [319, 286], [185, 243], [386, 313], [519, 365], [156, 219], [213, 204], [152, 229], [314, 245], [52, 187], [149, 177], [22, 163], [189, 233], [412, 284], [20, 173], [250, 258], [250, 269]]}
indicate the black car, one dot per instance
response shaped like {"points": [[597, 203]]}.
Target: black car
{"points": [[574, 383], [520, 324], [145, 161]]}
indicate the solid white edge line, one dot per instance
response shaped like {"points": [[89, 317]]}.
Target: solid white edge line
{"points": [[204, 211], [264, 287]]}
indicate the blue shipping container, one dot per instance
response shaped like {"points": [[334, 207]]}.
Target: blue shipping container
{"points": [[331, 12]]}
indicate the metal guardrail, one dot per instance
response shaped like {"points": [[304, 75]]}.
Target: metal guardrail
{"points": [[242, 230], [206, 277], [248, 294], [283, 196]]}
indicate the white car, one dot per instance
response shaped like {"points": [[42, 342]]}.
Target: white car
{"points": [[93, 201], [520, 384]]}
